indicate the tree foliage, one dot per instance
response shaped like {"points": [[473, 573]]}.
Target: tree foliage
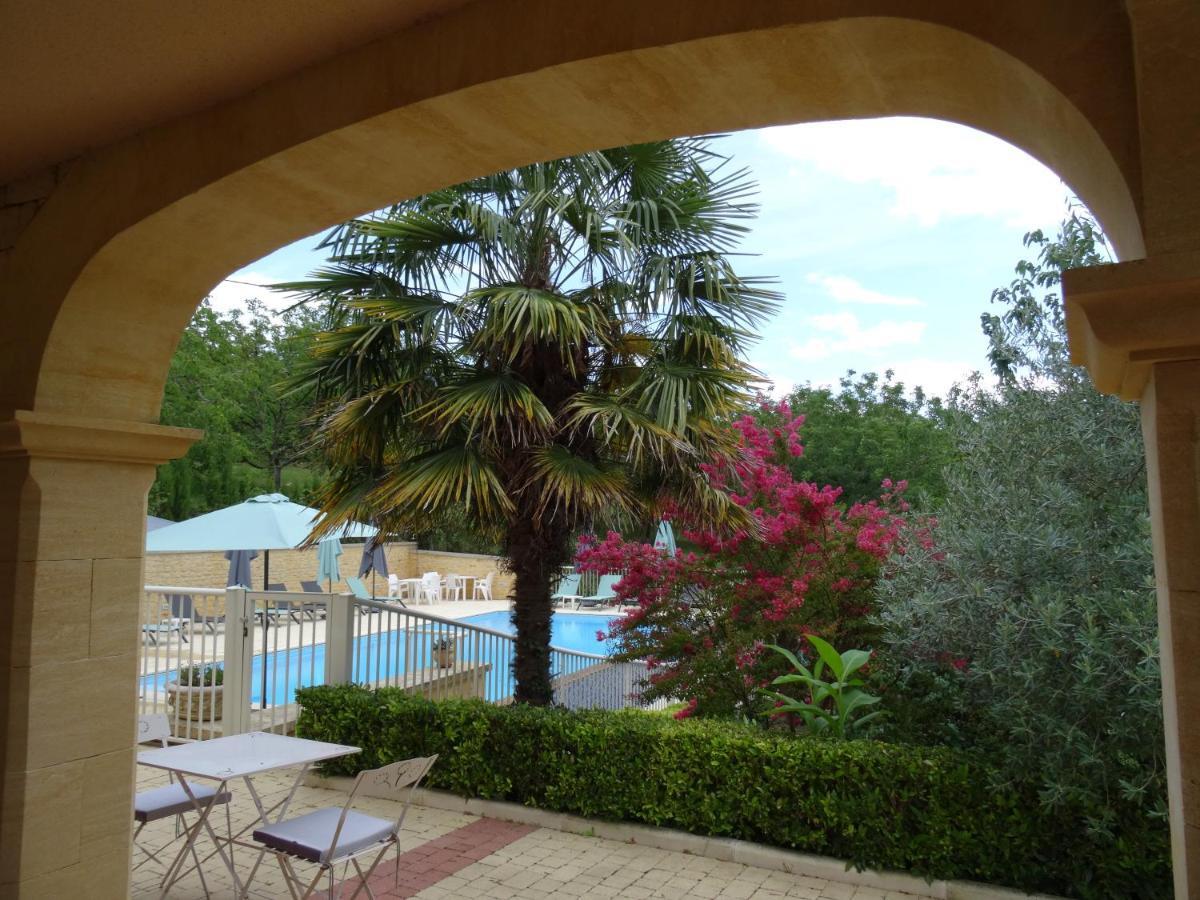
{"points": [[534, 348], [225, 379], [703, 619], [1029, 628], [869, 429]]}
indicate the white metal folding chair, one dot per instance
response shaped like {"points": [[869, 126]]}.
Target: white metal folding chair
{"points": [[331, 836], [169, 800]]}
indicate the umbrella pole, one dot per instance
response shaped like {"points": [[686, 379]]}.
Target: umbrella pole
{"points": [[266, 577]]}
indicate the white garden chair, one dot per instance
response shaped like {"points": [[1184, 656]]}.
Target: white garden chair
{"points": [[331, 836], [431, 587], [483, 587], [456, 587], [169, 800]]}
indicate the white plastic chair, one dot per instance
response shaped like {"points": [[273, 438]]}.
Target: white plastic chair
{"points": [[393, 585], [431, 587], [456, 587], [330, 836], [170, 800], [483, 587]]}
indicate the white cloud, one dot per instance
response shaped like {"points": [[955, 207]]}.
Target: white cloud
{"points": [[935, 170], [935, 376], [844, 289], [233, 293], [845, 334], [779, 387]]}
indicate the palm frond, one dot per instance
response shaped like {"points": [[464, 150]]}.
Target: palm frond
{"points": [[451, 477], [569, 484], [491, 405]]}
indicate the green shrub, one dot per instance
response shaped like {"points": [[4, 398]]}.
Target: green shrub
{"points": [[930, 811]]}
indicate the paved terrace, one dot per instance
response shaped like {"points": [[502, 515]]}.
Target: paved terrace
{"points": [[451, 855]]}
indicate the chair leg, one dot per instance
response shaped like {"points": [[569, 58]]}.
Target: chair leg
{"points": [[365, 878], [289, 877], [362, 878]]}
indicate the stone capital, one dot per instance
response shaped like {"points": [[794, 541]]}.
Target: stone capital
{"points": [[56, 436], [1124, 318]]}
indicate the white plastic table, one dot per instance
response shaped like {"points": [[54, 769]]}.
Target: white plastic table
{"points": [[410, 589], [229, 758]]}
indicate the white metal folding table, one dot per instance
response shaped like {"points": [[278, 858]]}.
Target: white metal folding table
{"points": [[227, 759]]}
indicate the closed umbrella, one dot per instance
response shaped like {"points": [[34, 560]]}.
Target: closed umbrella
{"points": [[328, 551], [373, 561], [239, 567], [665, 539]]}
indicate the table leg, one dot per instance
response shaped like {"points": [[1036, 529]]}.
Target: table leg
{"points": [[175, 872], [263, 813]]}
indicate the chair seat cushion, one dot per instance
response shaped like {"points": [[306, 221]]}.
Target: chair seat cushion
{"points": [[309, 836], [171, 800]]}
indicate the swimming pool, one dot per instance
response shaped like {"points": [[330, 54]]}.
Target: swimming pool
{"points": [[381, 655], [568, 631]]}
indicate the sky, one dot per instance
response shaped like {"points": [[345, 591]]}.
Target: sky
{"points": [[886, 237]]}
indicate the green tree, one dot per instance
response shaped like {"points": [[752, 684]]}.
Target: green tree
{"points": [[224, 379], [869, 429], [535, 348], [1029, 629]]}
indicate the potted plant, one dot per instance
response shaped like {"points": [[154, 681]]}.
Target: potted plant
{"points": [[197, 693], [444, 651]]}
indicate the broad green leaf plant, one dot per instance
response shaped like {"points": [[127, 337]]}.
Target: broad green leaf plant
{"points": [[833, 706]]}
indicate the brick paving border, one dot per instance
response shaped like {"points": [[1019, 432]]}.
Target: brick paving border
{"points": [[426, 865]]}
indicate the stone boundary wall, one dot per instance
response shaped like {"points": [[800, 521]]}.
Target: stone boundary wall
{"points": [[290, 567]]}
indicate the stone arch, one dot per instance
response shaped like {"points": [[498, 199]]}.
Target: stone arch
{"points": [[156, 220]]}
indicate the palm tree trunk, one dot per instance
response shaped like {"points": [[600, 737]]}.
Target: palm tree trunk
{"points": [[536, 554]]}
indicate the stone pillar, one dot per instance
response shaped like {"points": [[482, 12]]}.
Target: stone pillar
{"points": [[1171, 424], [72, 534], [1136, 326]]}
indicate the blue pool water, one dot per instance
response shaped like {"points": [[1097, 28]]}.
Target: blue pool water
{"points": [[570, 631], [303, 667]]}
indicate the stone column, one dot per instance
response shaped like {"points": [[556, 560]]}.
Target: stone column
{"points": [[1136, 326], [1171, 424], [72, 534]]}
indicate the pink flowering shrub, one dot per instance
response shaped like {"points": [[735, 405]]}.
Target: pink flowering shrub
{"points": [[702, 619]]}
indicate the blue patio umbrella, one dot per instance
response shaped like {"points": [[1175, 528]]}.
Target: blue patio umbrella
{"points": [[665, 539], [239, 567], [328, 551], [266, 522]]}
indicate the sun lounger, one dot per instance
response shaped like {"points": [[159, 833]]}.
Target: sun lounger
{"points": [[604, 596]]}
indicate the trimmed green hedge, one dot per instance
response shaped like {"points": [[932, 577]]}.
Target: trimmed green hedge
{"points": [[925, 810]]}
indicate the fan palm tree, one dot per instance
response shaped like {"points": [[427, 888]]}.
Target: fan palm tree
{"points": [[536, 349]]}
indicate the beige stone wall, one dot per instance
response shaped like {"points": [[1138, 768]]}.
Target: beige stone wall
{"points": [[477, 564], [290, 567]]}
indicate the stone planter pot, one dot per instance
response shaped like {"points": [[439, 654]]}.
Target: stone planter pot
{"points": [[197, 704], [443, 657]]}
